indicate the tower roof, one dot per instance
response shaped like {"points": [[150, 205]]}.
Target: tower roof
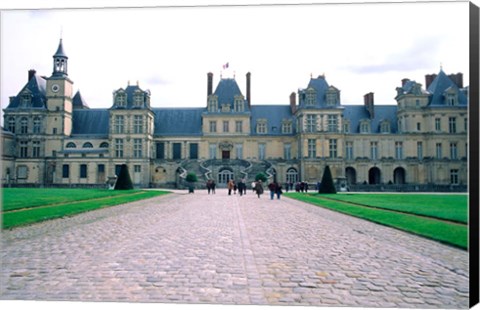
{"points": [[226, 91], [60, 52], [438, 87], [79, 102]]}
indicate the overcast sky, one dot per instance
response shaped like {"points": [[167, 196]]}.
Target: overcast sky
{"points": [[360, 48]]}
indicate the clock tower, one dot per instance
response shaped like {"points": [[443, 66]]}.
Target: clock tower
{"points": [[59, 96]]}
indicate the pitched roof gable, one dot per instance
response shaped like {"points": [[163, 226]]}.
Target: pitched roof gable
{"points": [[37, 86]]}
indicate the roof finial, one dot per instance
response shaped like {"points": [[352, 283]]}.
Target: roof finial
{"points": [[441, 66], [61, 32]]}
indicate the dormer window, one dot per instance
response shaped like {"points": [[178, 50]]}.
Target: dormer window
{"points": [[365, 126], [346, 126], [385, 127], [138, 99], [87, 145], [311, 97], [332, 96], [262, 126], [71, 145], [212, 103], [239, 104], [26, 99], [451, 97], [287, 126], [121, 100]]}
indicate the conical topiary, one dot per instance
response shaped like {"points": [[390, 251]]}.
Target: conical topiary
{"points": [[261, 177], [124, 181], [327, 186]]}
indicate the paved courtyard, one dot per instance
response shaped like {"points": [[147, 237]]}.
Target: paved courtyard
{"points": [[222, 249]]}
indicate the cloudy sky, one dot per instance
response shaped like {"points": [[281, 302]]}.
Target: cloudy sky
{"points": [[169, 50]]}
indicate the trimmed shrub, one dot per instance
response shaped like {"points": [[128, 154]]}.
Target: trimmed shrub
{"points": [[124, 182], [191, 177], [327, 186], [262, 177]]}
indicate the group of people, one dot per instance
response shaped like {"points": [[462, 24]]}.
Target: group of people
{"points": [[299, 187], [241, 186]]}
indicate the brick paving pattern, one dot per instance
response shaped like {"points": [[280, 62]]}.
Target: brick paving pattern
{"points": [[199, 248]]}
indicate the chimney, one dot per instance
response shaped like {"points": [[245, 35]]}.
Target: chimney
{"points": [[457, 79], [404, 81], [209, 83], [31, 74], [293, 102], [429, 78], [368, 99], [248, 91]]}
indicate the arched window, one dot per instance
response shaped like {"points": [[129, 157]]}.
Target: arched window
{"points": [[104, 145], [11, 124], [23, 125], [292, 175], [225, 175], [87, 145], [37, 123], [374, 176], [399, 176], [351, 175], [71, 145]]}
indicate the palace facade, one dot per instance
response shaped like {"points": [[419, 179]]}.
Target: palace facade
{"points": [[52, 138]]}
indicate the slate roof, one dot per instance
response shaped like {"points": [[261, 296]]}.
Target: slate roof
{"points": [[355, 113], [274, 114], [437, 88], [226, 91], [60, 51], [37, 86], [130, 92], [90, 122], [178, 121], [78, 102]]}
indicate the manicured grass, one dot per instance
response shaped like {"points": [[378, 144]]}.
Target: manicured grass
{"points": [[57, 203], [446, 232], [448, 207]]}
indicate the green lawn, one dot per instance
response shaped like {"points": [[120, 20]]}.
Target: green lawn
{"points": [[23, 206], [455, 234]]}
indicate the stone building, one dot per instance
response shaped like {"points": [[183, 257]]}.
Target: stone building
{"points": [[52, 138]]}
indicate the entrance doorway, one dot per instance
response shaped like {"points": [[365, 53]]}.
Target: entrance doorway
{"points": [[225, 154]]}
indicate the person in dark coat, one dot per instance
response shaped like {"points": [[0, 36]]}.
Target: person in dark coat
{"points": [[272, 187], [278, 190], [259, 188]]}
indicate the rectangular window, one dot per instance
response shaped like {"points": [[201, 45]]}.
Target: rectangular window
{"points": [[138, 124], [137, 148], [261, 151], [239, 151], [160, 150], [238, 126], [399, 150], [466, 124], [346, 127], [311, 125], [312, 148], [193, 150], [374, 150], [65, 171], [119, 124], [101, 168], [287, 127], [332, 123], [36, 149], [332, 144], [83, 171], [349, 150], [137, 168], [420, 150], [287, 151], [419, 126], [453, 151], [454, 177], [22, 172], [117, 169], [23, 149], [452, 125], [438, 151], [177, 150], [54, 131], [438, 126], [119, 148], [226, 126], [213, 126], [212, 151], [262, 127]]}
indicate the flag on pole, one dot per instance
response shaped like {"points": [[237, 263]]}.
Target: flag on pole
{"points": [[225, 66]]}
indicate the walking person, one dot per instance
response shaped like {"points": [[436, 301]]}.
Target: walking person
{"points": [[230, 187], [278, 190], [212, 185], [272, 187], [253, 186], [209, 186], [258, 188], [240, 186]]}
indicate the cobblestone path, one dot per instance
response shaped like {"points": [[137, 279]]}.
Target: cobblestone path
{"points": [[222, 249]]}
